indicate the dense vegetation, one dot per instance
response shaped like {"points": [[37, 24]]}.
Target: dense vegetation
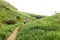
{"points": [[45, 29], [10, 18], [5, 31], [32, 27]]}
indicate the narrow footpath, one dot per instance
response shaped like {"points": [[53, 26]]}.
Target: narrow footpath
{"points": [[13, 35]]}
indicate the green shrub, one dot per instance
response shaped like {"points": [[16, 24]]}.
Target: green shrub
{"points": [[39, 17], [9, 21]]}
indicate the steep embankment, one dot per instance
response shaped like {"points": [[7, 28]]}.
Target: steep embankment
{"points": [[44, 29]]}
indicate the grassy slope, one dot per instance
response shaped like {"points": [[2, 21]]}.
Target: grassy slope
{"points": [[5, 31], [45, 29], [10, 12]]}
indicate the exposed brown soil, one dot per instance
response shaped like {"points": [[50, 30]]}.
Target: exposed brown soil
{"points": [[13, 35]]}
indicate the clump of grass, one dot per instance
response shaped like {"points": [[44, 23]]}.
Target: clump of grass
{"points": [[9, 21]]}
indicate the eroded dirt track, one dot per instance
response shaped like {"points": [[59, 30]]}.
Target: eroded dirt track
{"points": [[13, 35]]}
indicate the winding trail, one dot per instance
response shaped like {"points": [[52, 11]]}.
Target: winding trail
{"points": [[13, 35]]}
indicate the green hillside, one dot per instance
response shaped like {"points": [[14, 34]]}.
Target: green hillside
{"points": [[10, 18], [31, 26], [8, 11], [45, 29]]}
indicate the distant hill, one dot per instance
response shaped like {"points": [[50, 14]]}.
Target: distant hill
{"points": [[34, 15]]}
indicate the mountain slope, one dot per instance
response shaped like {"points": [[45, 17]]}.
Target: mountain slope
{"points": [[8, 11], [45, 29], [10, 18]]}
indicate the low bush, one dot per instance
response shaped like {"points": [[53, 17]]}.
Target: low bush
{"points": [[39, 17], [9, 21]]}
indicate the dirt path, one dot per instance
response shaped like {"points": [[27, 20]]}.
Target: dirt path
{"points": [[13, 35]]}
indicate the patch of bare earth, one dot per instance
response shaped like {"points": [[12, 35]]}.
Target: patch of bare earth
{"points": [[13, 35]]}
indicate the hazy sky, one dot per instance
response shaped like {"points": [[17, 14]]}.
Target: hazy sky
{"points": [[43, 7]]}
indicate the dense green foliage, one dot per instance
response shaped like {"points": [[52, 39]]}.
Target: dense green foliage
{"points": [[5, 31], [45, 29], [10, 18]]}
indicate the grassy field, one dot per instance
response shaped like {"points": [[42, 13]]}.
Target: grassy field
{"points": [[32, 27]]}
